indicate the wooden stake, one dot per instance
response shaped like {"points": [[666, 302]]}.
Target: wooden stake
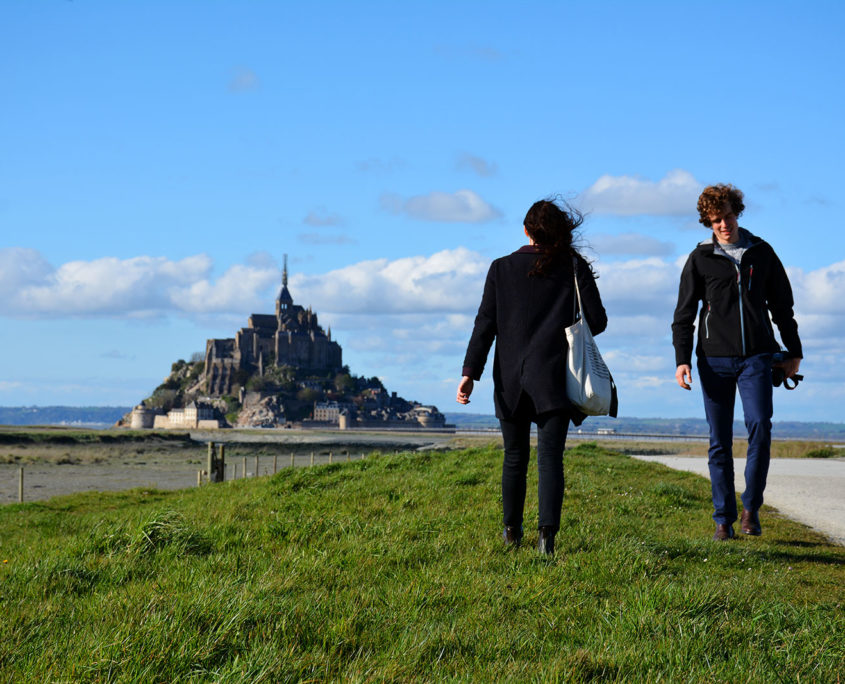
{"points": [[210, 465]]}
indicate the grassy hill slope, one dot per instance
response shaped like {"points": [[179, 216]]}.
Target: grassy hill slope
{"points": [[393, 568]]}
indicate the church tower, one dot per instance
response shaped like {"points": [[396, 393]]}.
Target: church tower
{"points": [[284, 301]]}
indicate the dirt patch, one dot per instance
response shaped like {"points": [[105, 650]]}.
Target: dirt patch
{"points": [[57, 464]]}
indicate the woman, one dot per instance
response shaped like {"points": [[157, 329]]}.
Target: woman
{"points": [[528, 301], [738, 281]]}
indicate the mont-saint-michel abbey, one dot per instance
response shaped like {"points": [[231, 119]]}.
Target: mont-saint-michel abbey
{"points": [[281, 370], [291, 337]]}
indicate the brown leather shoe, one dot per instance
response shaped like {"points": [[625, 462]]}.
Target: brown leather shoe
{"points": [[750, 523], [724, 532]]}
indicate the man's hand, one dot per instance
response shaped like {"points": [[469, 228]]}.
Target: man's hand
{"points": [[464, 390], [790, 366], [683, 375]]}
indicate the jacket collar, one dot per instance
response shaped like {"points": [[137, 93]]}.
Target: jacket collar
{"points": [[710, 242], [529, 249]]}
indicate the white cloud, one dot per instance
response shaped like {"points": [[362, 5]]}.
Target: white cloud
{"points": [[136, 287], [20, 266], [821, 291], [675, 194], [238, 289], [461, 206], [622, 324], [639, 286], [448, 281], [477, 165], [640, 363]]}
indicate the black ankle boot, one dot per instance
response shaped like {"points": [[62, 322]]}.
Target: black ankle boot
{"points": [[546, 541], [512, 536]]}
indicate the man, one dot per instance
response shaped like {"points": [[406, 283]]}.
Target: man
{"points": [[739, 281]]}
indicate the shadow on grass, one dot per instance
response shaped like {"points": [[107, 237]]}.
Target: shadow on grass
{"points": [[804, 544], [816, 558]]}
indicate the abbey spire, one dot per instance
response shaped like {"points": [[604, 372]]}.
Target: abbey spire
{"points": [[285, 301]]}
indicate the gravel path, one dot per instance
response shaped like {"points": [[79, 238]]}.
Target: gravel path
{"points": [[811, 491]]}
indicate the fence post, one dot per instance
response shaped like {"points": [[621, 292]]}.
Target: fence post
{"points": [[220, 469], [291, 459], [275, 463], [20, 485], [210, 465], [348, 457], [312, 458], [244, 463], [199, 478], [330, 457], [256, 466]]}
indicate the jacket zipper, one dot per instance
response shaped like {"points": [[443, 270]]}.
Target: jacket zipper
{"points": [[741, 316], [739, 288], [707, 323]]}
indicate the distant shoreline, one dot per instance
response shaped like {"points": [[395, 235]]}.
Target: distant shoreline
{"points": [[104, 417]]}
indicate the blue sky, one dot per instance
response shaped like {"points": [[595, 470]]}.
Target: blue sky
{"points": [[157, 159]]}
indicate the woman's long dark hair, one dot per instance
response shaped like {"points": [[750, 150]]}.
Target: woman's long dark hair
{"points": [[551, 223]]}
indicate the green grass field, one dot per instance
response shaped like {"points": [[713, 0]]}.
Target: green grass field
{"points": [[392, 568]]}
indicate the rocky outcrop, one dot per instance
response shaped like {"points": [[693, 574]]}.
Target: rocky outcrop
{"points": [[268, 412]]}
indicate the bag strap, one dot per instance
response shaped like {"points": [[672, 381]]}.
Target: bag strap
{"points": [[576, 304]]}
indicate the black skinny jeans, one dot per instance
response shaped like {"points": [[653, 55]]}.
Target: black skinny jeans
{"points": [[552, 428]]}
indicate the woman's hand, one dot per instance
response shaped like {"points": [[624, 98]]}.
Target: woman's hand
{"points": [[683, 375], [464, 390]]}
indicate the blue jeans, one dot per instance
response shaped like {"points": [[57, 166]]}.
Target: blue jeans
{"points": [[552, 428], [720, 377]]}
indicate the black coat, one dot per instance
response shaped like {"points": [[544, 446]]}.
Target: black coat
{"points": [[736, 302], [527, 317]]}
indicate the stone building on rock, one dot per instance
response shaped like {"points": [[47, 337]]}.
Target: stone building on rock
{"points": [[291, 337]]}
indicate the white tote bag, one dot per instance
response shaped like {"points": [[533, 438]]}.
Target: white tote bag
{"points": [[589, 384]]}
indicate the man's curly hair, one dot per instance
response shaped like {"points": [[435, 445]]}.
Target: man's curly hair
{"points": [[714, 198]]}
